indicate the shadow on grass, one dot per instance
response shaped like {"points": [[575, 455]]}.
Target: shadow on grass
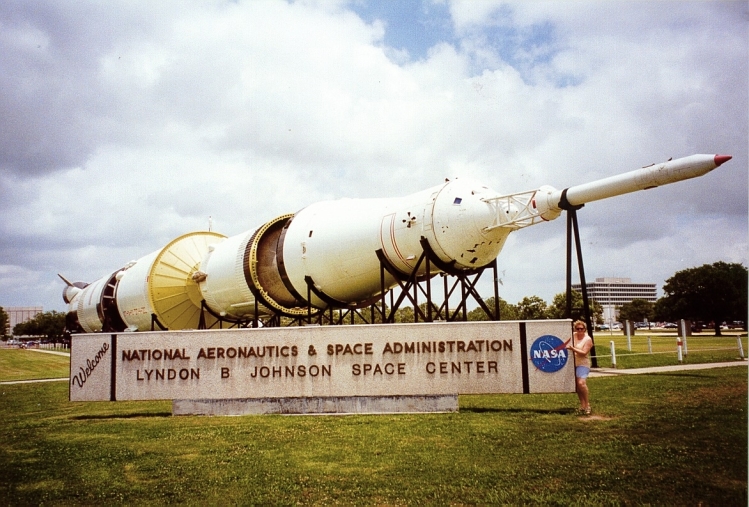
{"points": [[557, 411], [122, 416]]}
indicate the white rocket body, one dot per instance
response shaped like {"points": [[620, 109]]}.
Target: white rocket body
{"points": [[334, 244], [640, 179], [327, 252]]}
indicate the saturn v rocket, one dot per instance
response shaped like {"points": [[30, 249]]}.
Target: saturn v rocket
{"points": [[332, 246]]}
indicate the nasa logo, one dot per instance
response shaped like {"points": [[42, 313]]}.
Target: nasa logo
{"points": [[549, 354]]}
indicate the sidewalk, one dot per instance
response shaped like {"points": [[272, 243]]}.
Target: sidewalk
{"points": [[610, 372], [10, 382], [66, 354]]}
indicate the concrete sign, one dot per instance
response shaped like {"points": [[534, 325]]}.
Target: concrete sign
{"points": [[324, 361]]}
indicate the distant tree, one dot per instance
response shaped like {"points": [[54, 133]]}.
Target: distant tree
{"points": [[3, 324], [558, 308], [507, 311], [478, 313], [637, 310], [49, 324], [424, 315], [532, 308], [712, 293], [404, 314]]}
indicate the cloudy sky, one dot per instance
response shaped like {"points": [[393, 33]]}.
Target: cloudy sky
{"points": [[125, 124]]}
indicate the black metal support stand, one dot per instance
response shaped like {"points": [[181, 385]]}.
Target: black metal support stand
{"points": [[573, 229], [155, 322], [412, 285], [412, 288]]}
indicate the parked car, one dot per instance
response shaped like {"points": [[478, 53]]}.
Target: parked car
{"points": [[669, 325]]}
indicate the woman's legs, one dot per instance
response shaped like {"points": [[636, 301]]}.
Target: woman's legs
{"points": [[581, 386]]}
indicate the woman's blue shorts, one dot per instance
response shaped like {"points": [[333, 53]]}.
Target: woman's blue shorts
{"points": [[582, 372]]}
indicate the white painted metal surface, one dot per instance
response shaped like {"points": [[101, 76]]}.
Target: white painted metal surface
{"points": [[225, 290], [639, 179], [132, 294], [88, 302]]}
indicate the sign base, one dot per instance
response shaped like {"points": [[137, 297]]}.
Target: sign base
{"points": [[318, 405]]}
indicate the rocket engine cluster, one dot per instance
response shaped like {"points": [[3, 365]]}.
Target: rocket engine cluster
{"points": [[332, 246]]}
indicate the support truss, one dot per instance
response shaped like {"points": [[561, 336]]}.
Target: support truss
{"points": [[514, 211]]}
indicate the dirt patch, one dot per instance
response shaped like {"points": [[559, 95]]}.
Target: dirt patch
{"points": [[595, 418]]}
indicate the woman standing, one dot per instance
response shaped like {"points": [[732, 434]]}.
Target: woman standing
{"points": [[581, 345]]}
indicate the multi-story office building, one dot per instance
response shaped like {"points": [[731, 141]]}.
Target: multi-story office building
{"points": [[611, 293], [19, 314]]}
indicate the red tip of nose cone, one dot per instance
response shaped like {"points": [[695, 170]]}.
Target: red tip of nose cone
{"points": [[720, 159]]}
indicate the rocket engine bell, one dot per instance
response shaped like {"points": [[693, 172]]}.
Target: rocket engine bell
{"points": [[330, 253]]}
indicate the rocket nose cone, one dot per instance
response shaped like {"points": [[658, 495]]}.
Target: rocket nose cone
{"points": [[720, 159]]}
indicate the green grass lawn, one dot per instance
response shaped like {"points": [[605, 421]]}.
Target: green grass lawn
{"points": [[19, 364], [658, 439], [700, 348]]}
